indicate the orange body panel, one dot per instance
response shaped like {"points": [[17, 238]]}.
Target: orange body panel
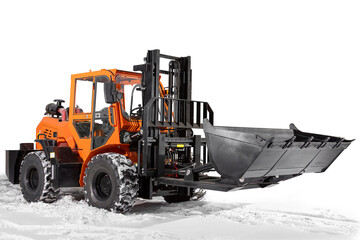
{"points": [[49, 126]]}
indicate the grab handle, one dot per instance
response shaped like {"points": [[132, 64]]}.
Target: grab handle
{"points": [[109, 112]]}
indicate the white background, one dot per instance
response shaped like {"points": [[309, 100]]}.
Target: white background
{"points": [[258, 64]]}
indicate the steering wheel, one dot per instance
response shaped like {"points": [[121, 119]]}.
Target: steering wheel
{"points": [[138, 109]]}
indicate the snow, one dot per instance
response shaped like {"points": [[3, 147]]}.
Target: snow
{"points": [[235, 215]]}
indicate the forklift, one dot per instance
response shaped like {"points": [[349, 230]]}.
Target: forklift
{"points": [[129, 134]]}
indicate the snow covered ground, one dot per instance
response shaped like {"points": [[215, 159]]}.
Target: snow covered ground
{"points": [[217, 216]]}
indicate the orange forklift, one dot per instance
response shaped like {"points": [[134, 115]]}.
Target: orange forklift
{"points": [[127, 135]]}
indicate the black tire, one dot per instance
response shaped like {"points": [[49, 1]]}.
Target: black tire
{"points": [[180, 197], [196, 195], [35, 178], [111, 182], [176, 198]]}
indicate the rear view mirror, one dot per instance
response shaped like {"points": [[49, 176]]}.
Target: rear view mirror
{"points": [[110, 92]]}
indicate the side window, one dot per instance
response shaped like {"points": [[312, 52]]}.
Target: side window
{"points": [[133, 100], [83, 95], [100, 97]]}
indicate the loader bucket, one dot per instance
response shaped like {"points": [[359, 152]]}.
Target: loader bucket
{"points": [[238, 152]]}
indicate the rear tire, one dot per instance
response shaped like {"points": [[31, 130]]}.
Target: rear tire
{"points": [[111, 182], [35, 178]]}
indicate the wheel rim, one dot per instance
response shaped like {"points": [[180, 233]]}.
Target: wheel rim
{"points": [[103, 185], [33, 178]]}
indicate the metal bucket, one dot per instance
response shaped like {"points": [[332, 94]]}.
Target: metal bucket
{"points": [[238, 152]]}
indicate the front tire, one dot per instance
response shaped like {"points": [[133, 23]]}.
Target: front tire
{"points": [[111, 182], [35, 178]]}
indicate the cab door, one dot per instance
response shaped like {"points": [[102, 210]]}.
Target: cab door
{"points": [[80, 113], [104, 121]]}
